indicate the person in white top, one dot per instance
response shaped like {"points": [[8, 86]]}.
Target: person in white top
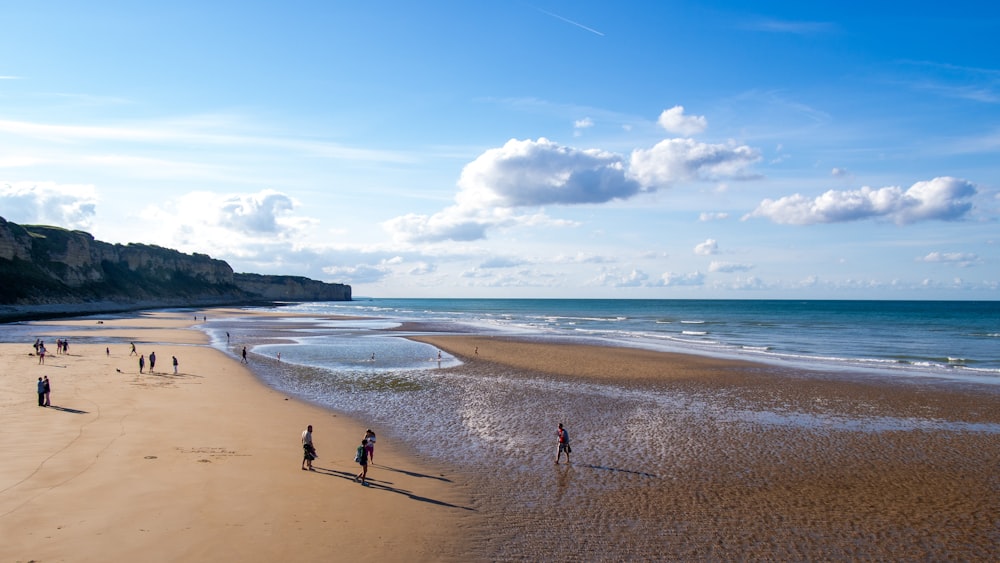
{"points": [[370, 447], [308, 451]]}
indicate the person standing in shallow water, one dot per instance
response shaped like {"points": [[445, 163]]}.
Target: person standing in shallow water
{"points": [[245, 355], [563, 436]]}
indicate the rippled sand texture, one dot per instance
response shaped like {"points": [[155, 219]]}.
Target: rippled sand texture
{"points": [[679, 458]]}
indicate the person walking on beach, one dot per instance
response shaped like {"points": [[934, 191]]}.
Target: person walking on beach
{"points": [[362, 458], [245, 355], [152, 361], [308, 450], [41, 353], [142, 363], [370, 447], [133, 352], [563, 436], [48, 390], [175, 364], [41, 392]]}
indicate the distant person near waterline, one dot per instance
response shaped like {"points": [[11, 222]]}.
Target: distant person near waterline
{"points": [[152, 361], [308, 450], [245, 355], [133, 352], [563, 436], [142, 363], [175, 364]]}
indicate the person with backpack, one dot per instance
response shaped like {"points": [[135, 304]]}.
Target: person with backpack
{"points": [[563, 444], [362, 457]]}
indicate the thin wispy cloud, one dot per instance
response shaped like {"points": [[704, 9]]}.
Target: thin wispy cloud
{"points": [[569, 21], [771, 25]]}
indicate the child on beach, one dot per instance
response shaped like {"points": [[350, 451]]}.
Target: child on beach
{"points": [[362, 458]]}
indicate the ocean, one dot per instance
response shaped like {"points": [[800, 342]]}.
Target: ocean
{"points": [[944, 339]]}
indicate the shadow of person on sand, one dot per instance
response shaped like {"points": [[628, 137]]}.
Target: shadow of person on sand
{"points": [[379, 484], [411, 473], [619, 470], [66, 409]]}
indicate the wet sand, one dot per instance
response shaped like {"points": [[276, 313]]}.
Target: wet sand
{"points": [[737, 487]]}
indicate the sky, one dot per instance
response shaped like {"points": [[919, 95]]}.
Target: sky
{"points": [[546, 149]]}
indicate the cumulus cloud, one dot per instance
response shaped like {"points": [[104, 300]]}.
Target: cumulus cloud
{"points": [[677, 160], [71, 206], [728, 267], [531, 173], [707, 248], [673, 279], [674, 121], [943, 198], [635, 278], [255, 213], [960, 258], [495, 188]]}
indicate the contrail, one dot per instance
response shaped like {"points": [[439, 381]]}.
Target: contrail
{"points": [[558, 17]]}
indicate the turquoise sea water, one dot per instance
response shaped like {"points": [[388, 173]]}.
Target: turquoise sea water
{"points": [[951, 339]]}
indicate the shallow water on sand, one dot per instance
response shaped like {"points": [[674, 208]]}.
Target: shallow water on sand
{"points": [[633, 446]]}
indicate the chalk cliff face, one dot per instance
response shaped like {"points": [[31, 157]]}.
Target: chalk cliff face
{"points": [[50, 266]]}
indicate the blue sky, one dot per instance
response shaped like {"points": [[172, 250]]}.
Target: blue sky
{"points": [[516, 149]]}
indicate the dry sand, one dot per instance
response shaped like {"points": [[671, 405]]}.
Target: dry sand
{"points": [[199, 466]]}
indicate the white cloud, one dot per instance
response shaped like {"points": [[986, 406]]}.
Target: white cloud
{"points": [[635, 278], [942, 198], [963, 259], [677, 160], [360, 274], [71, 206], [672, 279], [531, 173], [584, 123], [705, 217], [501, 262], [674, 121], [728, 267], [707, 248], [255, 213]]}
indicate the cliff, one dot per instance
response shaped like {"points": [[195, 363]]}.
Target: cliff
{"points": [[49, 270]]}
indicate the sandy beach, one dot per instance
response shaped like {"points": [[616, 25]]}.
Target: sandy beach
{"points": [[204, 465], [199, 466]]}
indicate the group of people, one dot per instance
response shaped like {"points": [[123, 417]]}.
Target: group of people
{"points": [[44, 389], [152, 361], [364, 454], [40, 350]]}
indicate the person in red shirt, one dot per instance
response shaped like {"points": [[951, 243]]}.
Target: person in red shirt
{"points": [[563, 444]]}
